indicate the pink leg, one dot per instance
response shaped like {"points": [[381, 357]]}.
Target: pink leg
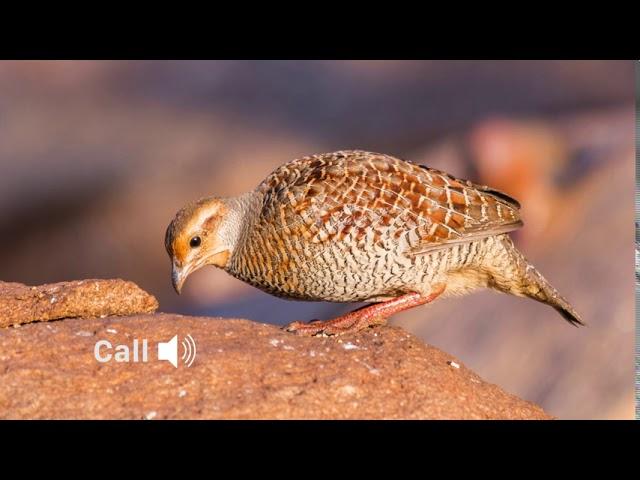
{"points": [[361, 318]]}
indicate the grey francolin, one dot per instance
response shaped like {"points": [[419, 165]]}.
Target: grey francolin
{"points": [[355, 226]]}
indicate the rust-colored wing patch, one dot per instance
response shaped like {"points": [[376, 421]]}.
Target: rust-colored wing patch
{"points": [[365, 196]]}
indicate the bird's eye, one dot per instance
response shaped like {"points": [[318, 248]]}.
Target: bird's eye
{"points": [[195, 242]]}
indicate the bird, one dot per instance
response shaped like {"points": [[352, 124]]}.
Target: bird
{"points": [[358, 226]]}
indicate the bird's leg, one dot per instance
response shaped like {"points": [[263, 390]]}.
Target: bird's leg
{"points": [[364, 317]]}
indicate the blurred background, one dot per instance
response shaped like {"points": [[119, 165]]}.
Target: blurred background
{"points": [[96, 157]]}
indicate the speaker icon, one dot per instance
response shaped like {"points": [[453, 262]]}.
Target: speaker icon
{"points": [[169, 351]]}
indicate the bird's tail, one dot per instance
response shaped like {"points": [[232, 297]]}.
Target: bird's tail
{"points": [[532, 284], [538, 288]]}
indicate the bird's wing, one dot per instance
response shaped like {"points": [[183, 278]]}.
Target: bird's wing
{"points": [[464, 211], [327, 197]]}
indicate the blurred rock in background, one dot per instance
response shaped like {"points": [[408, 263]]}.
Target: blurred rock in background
{"points": [[96, 157]]}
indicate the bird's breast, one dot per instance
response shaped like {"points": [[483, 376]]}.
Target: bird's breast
{"points": [[349, 270]]}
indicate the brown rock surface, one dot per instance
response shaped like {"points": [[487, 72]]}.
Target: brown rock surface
{"points": [[81, 298], [242, 370]]}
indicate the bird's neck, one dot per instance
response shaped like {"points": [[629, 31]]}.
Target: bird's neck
{"points": [[242, 211]]}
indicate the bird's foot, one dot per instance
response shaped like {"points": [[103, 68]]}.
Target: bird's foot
{"points": [[351, 322], [364, 317]]}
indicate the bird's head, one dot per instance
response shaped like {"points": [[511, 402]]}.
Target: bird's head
{"points": [[200, 234]]}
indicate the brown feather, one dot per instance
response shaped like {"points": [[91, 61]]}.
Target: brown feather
{"points": [[350, 192]]}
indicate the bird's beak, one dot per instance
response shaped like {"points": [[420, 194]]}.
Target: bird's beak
{"points": [[178, 276], [179, 273]]}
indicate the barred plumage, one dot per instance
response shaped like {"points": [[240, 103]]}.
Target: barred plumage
{"points": [[361, 226]]}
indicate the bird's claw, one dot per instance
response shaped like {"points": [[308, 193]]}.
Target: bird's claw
{"points": [[337, 326], [313, 328]]}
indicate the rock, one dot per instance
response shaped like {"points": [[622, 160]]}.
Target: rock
{"points": [[242, 369], [82, 298]]}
